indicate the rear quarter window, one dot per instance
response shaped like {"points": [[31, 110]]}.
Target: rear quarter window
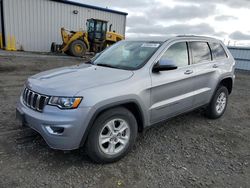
{"points": [[218, 51]]}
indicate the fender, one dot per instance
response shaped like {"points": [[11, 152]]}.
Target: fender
{"points": [[219, 82], [111, 105], [226, 77]]}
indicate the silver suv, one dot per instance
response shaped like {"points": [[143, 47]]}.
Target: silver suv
{"points": [[127, 88]]}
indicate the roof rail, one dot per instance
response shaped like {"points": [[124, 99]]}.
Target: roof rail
{"points": [[198, 36], [188, 36]]}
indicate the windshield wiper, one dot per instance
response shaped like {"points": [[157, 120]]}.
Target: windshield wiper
{"points": [[106, 65]]}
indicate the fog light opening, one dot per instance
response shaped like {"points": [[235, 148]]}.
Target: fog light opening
{"points": [[55, 130]]}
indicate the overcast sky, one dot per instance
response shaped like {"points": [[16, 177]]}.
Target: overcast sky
{"points": [[227, 20]]}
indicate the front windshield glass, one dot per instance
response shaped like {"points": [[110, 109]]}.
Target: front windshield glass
{"points": [[129, 55]]}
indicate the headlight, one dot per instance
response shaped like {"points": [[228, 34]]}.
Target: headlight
{"points": [[65, 102]]}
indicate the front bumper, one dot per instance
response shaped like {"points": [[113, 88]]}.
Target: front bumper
{"points": [[73, 123]]}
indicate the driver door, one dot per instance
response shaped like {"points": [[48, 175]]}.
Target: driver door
{"points": [[172, 90]]}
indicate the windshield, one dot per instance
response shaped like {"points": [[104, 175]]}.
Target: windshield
{"points": [[129, 55]]}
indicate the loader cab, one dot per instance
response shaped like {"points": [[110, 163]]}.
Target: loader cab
{"points": [[97, 30]]}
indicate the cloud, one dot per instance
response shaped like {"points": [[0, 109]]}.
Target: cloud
{"points": [[160, 19], [177, 29], [225, 18], [230, 3], [221, 34], [123, 4], [155, 15], [181, 12], [237, 35], [131, 3], [133, 21]]}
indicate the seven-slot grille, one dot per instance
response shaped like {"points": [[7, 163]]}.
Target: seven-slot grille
{"points": [[34, 100]]}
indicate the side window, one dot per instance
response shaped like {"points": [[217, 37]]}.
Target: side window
{"points": [[98, 26], [217, 51], [176, 54], [90, 26], [104, 27], [200, 52]]}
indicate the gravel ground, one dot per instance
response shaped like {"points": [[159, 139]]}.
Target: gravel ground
{"points": [[188, 151]]}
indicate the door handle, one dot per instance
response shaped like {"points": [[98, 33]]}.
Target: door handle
{"points": [[215, 66], [188, 72]]}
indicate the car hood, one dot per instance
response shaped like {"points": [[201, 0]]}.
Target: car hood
{"points": [[67, 81]]}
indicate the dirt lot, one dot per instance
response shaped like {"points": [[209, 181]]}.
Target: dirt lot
{"points": [[189, 151]]}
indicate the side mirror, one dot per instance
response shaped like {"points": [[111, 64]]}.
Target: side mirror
{"points": [[164, 65]]}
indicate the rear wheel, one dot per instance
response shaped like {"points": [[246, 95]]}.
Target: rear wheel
{"points": [[112, 135], [77, 48], [218, 103]]}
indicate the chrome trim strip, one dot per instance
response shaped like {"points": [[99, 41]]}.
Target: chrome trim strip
{"points": [[37, 102], [28, 97], [26, 94], [32, 100]]}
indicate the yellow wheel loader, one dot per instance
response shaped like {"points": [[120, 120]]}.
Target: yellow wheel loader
{"points": [[95, 39]]}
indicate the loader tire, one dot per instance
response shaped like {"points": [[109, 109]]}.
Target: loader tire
{"points": [[53, 47], [77, 48], [68, 52]]}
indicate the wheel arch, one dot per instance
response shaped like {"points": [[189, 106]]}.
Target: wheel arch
{"points": [[132, 105], [228, 83]]}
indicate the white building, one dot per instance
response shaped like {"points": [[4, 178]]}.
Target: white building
{"points": [[32, 25]]}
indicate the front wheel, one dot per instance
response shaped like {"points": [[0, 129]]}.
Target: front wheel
{"points": [[77, 48], [218, 103], [112, 135]]}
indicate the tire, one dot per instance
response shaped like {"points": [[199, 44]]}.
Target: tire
{"points": [[111, 150], [53, 47], [68, 52], [213, 111], [77, 48]]}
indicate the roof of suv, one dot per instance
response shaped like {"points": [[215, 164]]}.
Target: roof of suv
{"points": [[163, 39], [196, 37]]}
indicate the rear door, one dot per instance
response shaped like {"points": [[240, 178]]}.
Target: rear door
{"points": [[205, 72], [220, 58], [171, 91]]}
